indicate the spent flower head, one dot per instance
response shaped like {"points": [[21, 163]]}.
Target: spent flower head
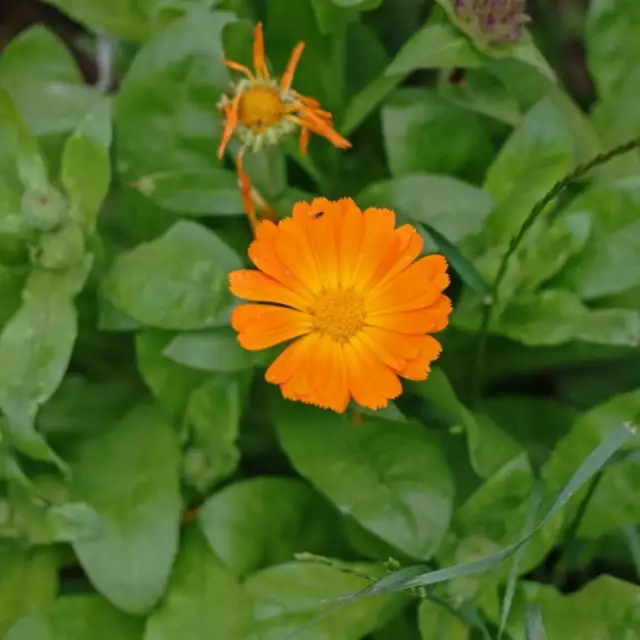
{"points": [[260, 111], [497, 22]]}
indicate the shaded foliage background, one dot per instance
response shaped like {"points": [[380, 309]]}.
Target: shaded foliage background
{"points": [[129, 408]]}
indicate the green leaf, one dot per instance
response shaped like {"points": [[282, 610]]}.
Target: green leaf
{"points": [[129, 475], [287, 596], [537, 154], [213, 414], [436, 623], [453, 207], [86, 165], [78, 618], [555, 317], [422, 576], [614, 502], [168, 127], [35, 347], [613, 48], [605, 608], [400, 486], [483, 93], [197, 193], [179, 281], [169, 382], [43, 79], [28, 582], [436, 46], [608, 264], [262, 522], [19, 146], [424, 132], [216, 350], [489, 447], [204, 599]]}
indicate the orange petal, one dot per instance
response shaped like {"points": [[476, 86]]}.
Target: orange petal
{"points": [[293, 248], [260, 326], [304, 141], [418, 368], [258, 287], [259, 63], [404, 249], [376, 239], [350, 241], [291, 360], [428, 320], [240, 68], [394, 349], [245, 192], [419, 285], [230, 124], [372, 383], [287, 76]]}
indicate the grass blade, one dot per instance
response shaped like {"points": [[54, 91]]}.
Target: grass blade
{"points": [[533, 626]]}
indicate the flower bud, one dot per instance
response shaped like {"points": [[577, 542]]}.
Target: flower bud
{"points": [[45, 210], [497, 22]]}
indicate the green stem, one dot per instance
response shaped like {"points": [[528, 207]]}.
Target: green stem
{"points": [[538, 208]]}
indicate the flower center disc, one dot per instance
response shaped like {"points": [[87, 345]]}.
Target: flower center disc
{"points": [[260, 107], [339, 314]]}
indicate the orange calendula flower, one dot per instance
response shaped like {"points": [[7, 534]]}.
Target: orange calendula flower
{"points": [[261, 110], [349, 288]]}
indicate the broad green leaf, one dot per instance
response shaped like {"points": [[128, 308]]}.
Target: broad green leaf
{"points": [[198, 193], [288, 596], [43, 79], [453, 207], [11, 285], [168, 127], [489, 447], [483, 93], [204, 600], [400, 486], [216, 350], [170, 382], [78, 618], [401, 627], [426, 133], [19, 147], [129, 475], [436, 46], [436, 623], [179, 281], [609, 264], [613, 47], [534, 626], [257, 523], [213, 415], [86, 165], [35, 347], [538, 153], [554, 317], [127, 19], [28, 582], [605, 608]]}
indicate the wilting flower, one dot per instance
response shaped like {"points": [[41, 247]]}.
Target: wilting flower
{"points": [[495, 21], [261, 110], [348, 286]]}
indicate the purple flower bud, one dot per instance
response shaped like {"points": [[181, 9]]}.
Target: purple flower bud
{"points": [[496, 22]]}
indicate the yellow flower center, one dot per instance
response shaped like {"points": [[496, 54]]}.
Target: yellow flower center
{"points": [[260, 107], [339, 314]]}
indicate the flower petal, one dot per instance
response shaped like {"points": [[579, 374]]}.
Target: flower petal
{"points": [[417, 286], [427, 320], [258, 287], [418, 369], [291, 360], [260, 326]]}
